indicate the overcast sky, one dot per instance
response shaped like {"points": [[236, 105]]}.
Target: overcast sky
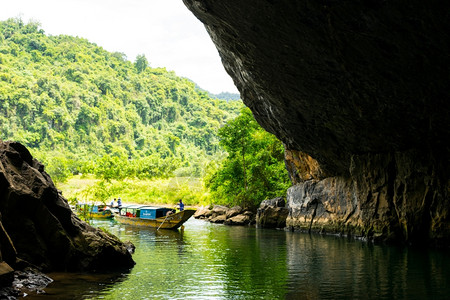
{"points": [[164, 30]]}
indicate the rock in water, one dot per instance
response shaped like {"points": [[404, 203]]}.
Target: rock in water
{"points": [[39, 227], [272, 213]]}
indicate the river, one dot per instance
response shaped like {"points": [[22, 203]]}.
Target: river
{"points": [[211, 261]]}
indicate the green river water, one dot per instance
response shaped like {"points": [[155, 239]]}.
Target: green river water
{"points": [[211, 261]]}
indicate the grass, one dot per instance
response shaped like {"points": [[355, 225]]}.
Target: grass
{"points": [[156, 191], [75, 185]]}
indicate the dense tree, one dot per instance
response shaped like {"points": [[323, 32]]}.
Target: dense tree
{"points": [[64, 95], [254, 167], [81, 109], [141, 63]]}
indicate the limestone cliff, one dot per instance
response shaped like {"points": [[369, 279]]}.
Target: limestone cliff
{"points": [[37, 225], [358, 92], [397, 197]]}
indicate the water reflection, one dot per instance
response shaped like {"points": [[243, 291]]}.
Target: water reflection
{"points": [[335, 268], [79, 285], [210, 261]]}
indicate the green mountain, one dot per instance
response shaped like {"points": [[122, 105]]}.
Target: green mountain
{"points": [[80, 108], [226, 96]]}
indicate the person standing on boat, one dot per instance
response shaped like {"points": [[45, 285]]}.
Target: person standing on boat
{"points": [[181, 205], [112, 202], [119, 205]]}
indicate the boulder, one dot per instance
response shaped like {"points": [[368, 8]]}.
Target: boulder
{"points": [[218, 219], [234, 211], [219, 210], [202, 213], [272, 213], [242, 219], [40, 228]]}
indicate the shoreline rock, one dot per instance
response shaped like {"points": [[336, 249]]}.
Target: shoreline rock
{"points": [[272, 213], [38, 228], [393, 204], [238, 216], [235, 215]]}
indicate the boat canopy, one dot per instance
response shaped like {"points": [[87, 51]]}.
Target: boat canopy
{"points": [[144, 211], [90, 207]]}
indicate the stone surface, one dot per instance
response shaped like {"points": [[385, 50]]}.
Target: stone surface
{"points": [[218, 219], [40, 226], [217, 214], [220, 210], [302, 167], [239, 220], [403, 199], [202, 213], [272, 213], [31, 280], [273, 203], [228, 216], [234, 211], [357, 90]]}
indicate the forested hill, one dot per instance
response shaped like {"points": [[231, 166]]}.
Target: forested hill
{"points": [[80, 108]]}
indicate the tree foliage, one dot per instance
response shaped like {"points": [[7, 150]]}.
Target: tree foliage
{"points": [[254, 168], [81, 109], [141, 63]]}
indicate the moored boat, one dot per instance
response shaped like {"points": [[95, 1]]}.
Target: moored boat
{"points": [[152, 216], [95, 211]]}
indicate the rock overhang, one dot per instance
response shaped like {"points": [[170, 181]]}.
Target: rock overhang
{"points": [[338, 78]]}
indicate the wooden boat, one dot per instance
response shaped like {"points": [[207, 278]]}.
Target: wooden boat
{"points": [[95, 211], [152, 216]]}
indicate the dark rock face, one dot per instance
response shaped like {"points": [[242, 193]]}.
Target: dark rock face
{"points": [[358, 92], [39, 227]]}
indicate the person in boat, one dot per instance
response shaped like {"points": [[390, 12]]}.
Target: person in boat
{"points": [[119, 205], [112, 203], [181, 205]]}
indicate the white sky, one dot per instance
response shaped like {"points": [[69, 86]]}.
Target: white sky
{"points": [[164, 30]]}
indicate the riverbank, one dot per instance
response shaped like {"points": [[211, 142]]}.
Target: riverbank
{"points": [[87, 188]]}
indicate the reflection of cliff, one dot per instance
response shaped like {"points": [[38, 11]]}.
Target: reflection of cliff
{"points": [[334, 268], [38, 226], [358, 92]]}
